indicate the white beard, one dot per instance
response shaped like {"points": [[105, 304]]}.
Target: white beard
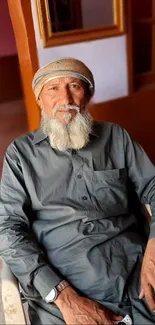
{"points": [[74, 135]]}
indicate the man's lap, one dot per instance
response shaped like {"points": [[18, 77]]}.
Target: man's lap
{"points": [[42, 313], [45, 314]]}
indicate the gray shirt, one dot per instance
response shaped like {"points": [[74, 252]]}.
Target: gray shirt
{"points": [[75, 215]]}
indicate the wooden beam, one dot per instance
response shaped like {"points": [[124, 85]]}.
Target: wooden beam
{"points": [[21, 16]]}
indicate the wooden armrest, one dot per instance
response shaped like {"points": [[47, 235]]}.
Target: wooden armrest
{"points": [[10, 305]]}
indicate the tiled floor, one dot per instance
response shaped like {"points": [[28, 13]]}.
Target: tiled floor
{"points": [[12, 124]]}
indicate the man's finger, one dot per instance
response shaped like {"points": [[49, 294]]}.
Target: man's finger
{"points": [[150, 296], [108, 319], [142, 294], [116, 318]]}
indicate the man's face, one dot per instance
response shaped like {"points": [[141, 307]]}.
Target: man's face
{"points": [[64, 116], [63, 91]]}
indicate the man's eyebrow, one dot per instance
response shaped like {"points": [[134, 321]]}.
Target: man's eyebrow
{"points": [[77, 81], [52, 84]]}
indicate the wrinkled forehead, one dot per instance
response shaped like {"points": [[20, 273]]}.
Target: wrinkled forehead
{"points": [[64, 81]]}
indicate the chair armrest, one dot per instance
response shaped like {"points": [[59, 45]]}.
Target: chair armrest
{"points": [[11, 305]]}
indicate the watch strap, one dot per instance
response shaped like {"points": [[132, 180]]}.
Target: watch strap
{"points": [[54, 293], [61, 286]]}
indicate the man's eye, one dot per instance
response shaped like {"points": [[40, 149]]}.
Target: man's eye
{"points": [[75, 86], [53, 88]]}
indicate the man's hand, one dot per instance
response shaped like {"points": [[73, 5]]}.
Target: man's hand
{"points": [[82, 311], [148, 275]]}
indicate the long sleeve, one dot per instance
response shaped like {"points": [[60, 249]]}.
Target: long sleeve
{"points": [[18, 247], [141, 172]]}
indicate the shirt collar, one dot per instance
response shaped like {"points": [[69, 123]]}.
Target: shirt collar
{"points": [[39, 136]]}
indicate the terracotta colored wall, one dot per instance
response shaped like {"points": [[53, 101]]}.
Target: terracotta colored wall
{"points": [[7, 41], [10, 83]]}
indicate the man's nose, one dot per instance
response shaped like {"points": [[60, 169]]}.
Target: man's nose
{"points": [[66, 96]]}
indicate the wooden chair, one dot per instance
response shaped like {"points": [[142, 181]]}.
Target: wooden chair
{"points": [[11, 306]]}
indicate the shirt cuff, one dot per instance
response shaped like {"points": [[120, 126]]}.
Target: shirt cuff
{"points": [[49, 295], [152, 228], [45, 280]]}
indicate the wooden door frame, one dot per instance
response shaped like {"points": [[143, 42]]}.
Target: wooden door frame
{"points": [[22, 21], [128, 14], [143, 80]]}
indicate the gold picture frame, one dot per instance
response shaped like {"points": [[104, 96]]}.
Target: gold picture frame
{"points": [[50, 39]]}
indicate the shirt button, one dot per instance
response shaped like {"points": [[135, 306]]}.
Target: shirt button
{"points": [[84, 198], [79, 176]]}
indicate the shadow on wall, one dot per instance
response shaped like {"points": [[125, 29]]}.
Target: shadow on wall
{"points": [[10, 82], [12, 110]]}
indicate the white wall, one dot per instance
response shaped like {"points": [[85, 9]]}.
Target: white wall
{"points": [[106, 58], [97, 13]]}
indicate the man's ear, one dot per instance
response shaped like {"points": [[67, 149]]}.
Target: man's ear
{"points": [[39, 101]]}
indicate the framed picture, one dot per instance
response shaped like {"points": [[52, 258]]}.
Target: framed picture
{"points": [[72, 21]]}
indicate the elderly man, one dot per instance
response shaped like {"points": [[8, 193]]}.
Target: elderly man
{"points": [[72, 228]]}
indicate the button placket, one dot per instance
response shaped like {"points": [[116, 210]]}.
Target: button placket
{"points": [[74, 152], [81, 186], [79, 176], [82, 192]]}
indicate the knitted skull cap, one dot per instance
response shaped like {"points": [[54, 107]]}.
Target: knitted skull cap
{"points": [[66, 67]]}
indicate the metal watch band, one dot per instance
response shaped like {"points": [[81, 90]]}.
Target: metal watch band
{"points": [[61, 286]]}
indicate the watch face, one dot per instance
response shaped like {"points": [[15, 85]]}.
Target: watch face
{"points": [[52, 295]]}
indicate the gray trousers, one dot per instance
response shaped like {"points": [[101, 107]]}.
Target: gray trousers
{"points": [[41, 313]]}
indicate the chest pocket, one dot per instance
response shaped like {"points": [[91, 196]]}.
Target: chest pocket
{"points": [[109, 191]]}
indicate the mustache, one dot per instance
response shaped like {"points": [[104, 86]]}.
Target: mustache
{"points": [[67, 107]]}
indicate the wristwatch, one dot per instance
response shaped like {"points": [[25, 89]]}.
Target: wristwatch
{"points": [[54, 293]]}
